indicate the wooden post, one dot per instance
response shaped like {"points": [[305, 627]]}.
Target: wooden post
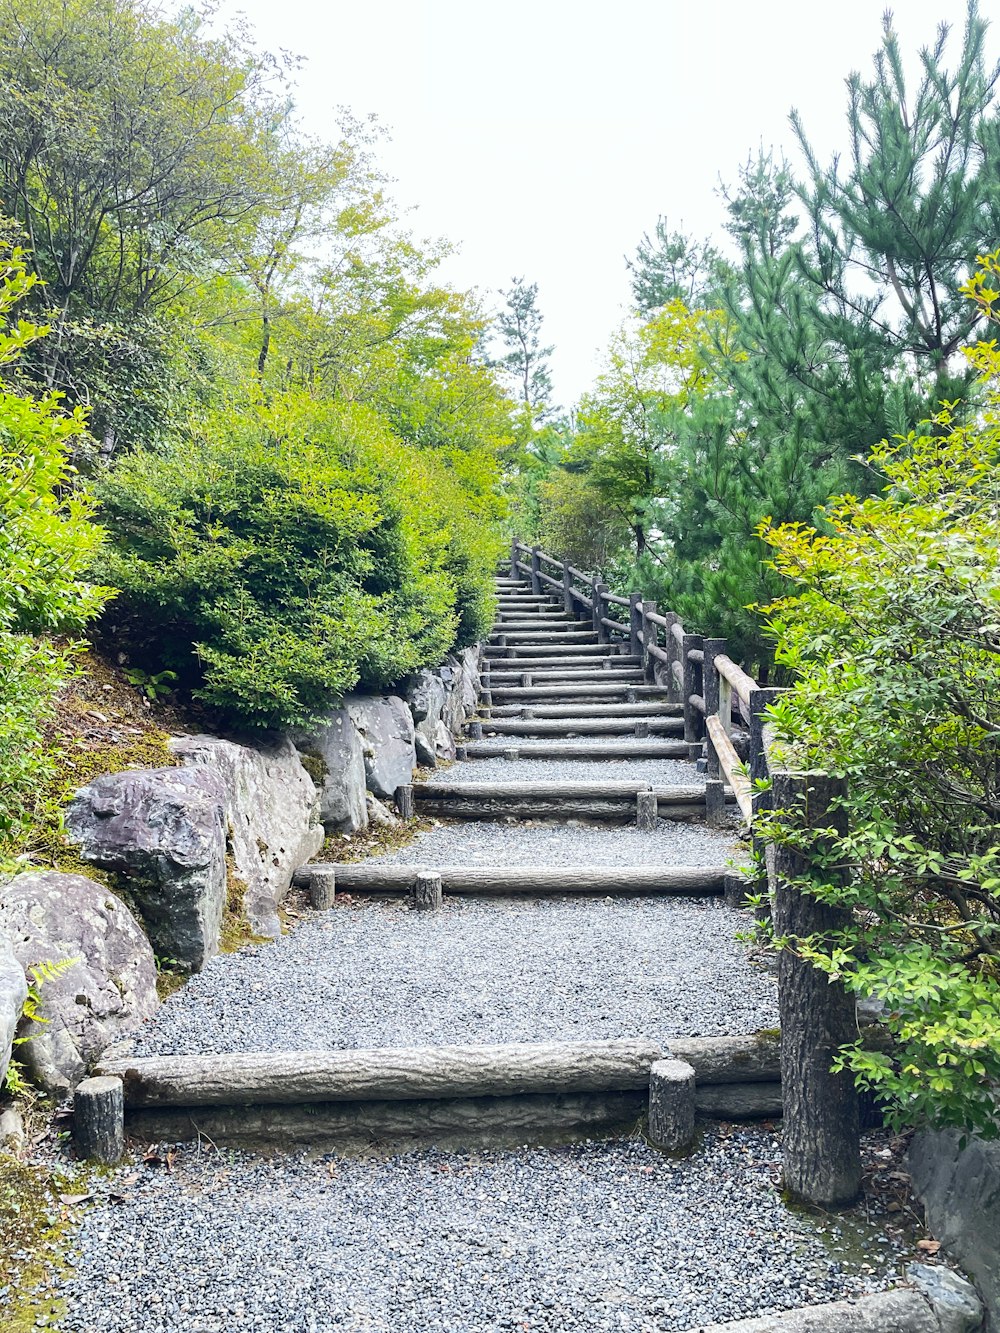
{"points": [[635, 623], [323, 885], [673, 653], [427, 891], [693, 721], [536, 565], [820, 1135], [649, 636], [515, 547], [641, 729], [461, 752], [759, 701], [671, 1104], [646, 811], [475, 731], [99, 1120], [404, 801], [511, 753], [595, 609], [526, 679], [567, 590], [715, 797]]}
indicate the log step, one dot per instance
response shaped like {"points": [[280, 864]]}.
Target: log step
{"points": [[526, 634], [647, 708], [581, 726], [578, 662], [519, 626], [591, 692], [515, 880], [572, 674], [495, 651], [409, 1073], [555, 749], [614, 802]]}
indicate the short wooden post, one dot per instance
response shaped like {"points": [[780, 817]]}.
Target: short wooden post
{"points": [[646, 811], [820, 1134], [323, 885], [567, 590], [404, 801], [526, 679], [735, 887], [693, 721], [649, 636], [476, 731], [641, 729], [527, 714], [671, 1104], [605, 663], [635, 623], [536, 565], [461, 752], [511, 753], [427, 891], [99, 1120]]}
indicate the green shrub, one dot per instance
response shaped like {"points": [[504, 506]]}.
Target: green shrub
{"points": [[280, 555], [47, 540]]}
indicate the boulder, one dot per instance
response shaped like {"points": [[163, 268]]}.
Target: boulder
{"points": [[385, 725], [426, 696], [378, 814], [109, 989], [13, 993], [272, 817], [334, 749], [164, 831], [433, 742]]}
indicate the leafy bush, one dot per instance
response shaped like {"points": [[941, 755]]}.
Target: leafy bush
{"points": [[47, 540], [894, 637], [281, 554]]}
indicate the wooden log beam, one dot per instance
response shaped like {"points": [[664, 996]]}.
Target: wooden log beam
{"points": [[743, 684], [615, 749], [732, 766], [494, 881], [752, 1059], [391, 1073], [584, 726]]}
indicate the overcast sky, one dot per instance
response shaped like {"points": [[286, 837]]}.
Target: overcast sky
{"points": [[545, 137]]}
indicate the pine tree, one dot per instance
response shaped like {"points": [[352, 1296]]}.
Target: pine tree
{"points": [[525, 361], [673, 266]]}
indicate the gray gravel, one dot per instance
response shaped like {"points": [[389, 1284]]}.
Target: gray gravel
{"points": [[660, 772], [549, 844], [378, 974], [593, 1236]]}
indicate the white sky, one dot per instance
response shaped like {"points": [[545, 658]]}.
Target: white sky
{"points": [[545, 137]]}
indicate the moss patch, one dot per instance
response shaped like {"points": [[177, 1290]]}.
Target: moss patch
{"points": [[35, 1227], [236, 930]]}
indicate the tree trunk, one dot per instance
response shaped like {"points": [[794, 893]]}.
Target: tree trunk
{"points": [[822, 1162]]}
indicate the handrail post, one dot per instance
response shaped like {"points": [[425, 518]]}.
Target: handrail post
{"points": [[673, 654], [635, 623], [515, 546], [567, 589], [648, 635], [599, 589], [536, 564], [715, 796], [692, 718], [760, 700]]}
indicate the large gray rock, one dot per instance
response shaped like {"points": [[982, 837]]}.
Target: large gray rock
{"points": [[13, 993], [164, 831], [426, 695], [272, 817], [460, 675], [385, 725], [433, 742], [110, 989], [960, 1190], [336, 750]]}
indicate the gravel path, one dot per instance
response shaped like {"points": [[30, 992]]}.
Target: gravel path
{"points": [[594, 1236], [660, 772], [548, 844], [378, 974]]}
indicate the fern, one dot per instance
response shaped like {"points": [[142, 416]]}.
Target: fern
{"points": [[50, 969]]}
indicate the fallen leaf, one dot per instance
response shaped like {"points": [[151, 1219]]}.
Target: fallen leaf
{"points": [[74, 1199], [929, 1246]]}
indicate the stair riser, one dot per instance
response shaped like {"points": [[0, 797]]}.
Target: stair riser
{"points": [[648, 709], [623, 726], [495, 652], [614, 812], [581, 694], [580, 749]]}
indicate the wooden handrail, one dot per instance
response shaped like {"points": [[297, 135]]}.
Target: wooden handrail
{"points": [[737, 677]]}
